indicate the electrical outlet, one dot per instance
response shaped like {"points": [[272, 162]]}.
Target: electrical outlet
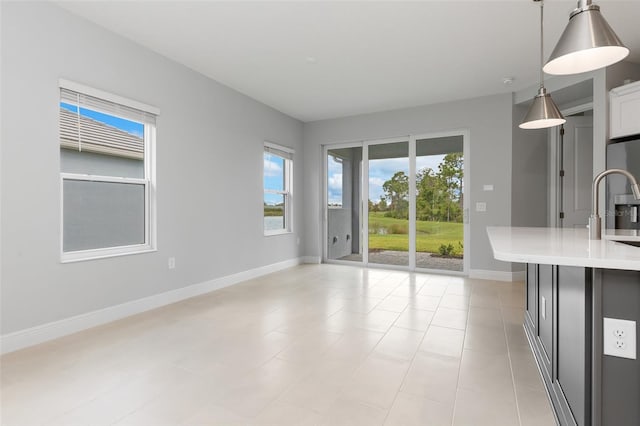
{"points": [[619, 338], [172, 263], [481, 207]]}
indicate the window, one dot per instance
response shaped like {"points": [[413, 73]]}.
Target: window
{"points": [[106, 173], [277, 180]]}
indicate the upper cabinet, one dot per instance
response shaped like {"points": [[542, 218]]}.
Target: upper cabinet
{"points": [[624, 110]]}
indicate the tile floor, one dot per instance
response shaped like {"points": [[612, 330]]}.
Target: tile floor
{"points": [[311, 345]]}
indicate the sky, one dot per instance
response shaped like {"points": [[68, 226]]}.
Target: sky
{"points": [[273, 177], [379, 172], [136, 129]]}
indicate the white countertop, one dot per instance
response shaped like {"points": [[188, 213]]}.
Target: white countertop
{"points": [[560, 246]]}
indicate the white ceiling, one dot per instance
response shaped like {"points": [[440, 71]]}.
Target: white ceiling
{"points": [[366, 56]]}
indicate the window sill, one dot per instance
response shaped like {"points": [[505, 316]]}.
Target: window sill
{"points": [[274, 233], [81, 256]]}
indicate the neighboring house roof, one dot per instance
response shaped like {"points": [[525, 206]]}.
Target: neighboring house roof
{"points": [[98, 137]]}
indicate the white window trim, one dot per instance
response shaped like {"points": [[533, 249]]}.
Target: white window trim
{"points": [[106, 96], [150, 232], [288, 195]]}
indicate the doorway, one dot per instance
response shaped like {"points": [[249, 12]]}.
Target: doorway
{"points": [[573, 171], [398, 203], [343, 208]]}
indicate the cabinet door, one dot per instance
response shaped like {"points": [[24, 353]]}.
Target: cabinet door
{"points": [[573, 366], [625, 110], [545, 315], [532, 291]]}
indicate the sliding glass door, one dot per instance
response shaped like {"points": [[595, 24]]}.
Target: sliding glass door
{"points": [[397, 202], [388, 203], [439, 230]]}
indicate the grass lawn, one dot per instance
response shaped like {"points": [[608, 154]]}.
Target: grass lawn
{"points": [[429, 238]]}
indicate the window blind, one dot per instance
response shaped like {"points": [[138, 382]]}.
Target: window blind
{"points": [[282, 152], [105, 106]]}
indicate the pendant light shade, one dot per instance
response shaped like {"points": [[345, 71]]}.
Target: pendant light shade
{"points": [[543, 112], [587, 43]]}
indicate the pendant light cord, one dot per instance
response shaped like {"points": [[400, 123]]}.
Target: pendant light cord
{"points": [[541, 43]]}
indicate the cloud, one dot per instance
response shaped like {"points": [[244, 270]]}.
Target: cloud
{"points": [[271, 168], [431, 161], [334, 186], [335, 182], [376, 181]]}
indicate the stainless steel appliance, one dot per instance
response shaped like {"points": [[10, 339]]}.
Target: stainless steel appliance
{"points": [[623, 211]]}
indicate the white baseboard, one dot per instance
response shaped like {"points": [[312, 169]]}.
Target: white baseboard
{"points": [[312, 259], [496, 275], [45, 332]]}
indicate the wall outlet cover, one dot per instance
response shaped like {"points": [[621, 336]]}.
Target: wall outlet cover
{"points": [[619, 338]]}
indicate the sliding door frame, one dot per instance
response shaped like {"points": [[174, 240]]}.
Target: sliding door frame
{"points": [[364, 205]]}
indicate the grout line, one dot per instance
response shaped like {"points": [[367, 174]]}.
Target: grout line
{"points": [[455, 400], [513, 379]]}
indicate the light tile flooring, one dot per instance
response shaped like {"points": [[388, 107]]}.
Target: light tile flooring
{"points": [[311, 345]]}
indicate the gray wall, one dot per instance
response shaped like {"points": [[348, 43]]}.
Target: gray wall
{"points": [[530, 173], [488, 120], [209, 170], [529, 160]]}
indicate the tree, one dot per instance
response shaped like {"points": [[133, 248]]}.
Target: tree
{"points": [[451, 173], [382, 204], [396, 190], [429, 195], [439, 196]]}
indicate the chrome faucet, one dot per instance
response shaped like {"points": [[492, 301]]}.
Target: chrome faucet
{"points": [[595, 223]]}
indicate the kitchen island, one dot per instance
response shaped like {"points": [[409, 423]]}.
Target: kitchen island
{"points": [[572, 284]]}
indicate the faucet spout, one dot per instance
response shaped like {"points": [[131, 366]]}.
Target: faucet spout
{"points": [[595, 223]]}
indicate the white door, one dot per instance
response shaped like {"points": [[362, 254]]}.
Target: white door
{"points": [[577, 165]]}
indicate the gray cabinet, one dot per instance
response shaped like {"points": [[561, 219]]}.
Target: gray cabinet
{"points": [[572, 375], [546, 285], [620, 384], [558, 325]]}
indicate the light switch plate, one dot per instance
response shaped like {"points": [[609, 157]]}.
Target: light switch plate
{"points": [[487, 187], [619, 338]]}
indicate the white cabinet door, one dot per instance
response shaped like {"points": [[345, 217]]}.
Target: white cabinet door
{"points": [[625, 110]]}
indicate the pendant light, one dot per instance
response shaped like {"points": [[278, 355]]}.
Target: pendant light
{"points": [[587, 43], [543, 112]]}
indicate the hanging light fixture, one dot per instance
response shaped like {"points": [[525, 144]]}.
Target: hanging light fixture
{"points": [[587, 43], [543, 112]]}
